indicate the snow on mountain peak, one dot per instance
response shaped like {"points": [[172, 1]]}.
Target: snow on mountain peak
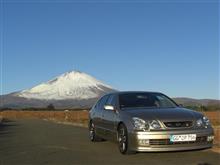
{"points": [[70, 85]]}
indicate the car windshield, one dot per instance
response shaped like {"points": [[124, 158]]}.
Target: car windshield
{"points": [[145, 100]]}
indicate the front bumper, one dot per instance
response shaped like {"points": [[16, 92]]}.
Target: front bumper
{"points": [[160, 140]]}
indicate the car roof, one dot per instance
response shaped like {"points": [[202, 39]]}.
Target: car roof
{"points": [[127, 92]]}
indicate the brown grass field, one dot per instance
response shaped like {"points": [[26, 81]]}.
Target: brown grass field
{"points": [[61, 116], [81, 117]]}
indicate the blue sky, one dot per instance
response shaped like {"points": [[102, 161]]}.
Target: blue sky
{"points": [[168, 46]]}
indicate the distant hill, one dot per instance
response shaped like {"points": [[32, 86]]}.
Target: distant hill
{"points": [[197, 102]]}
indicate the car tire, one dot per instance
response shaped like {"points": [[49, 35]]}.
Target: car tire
{"points": [[123, 144], [92, 134]]}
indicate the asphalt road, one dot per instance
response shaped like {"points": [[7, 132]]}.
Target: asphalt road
{"points": [[43, 142]]}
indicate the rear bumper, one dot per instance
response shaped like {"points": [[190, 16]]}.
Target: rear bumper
{"points": [[160, 140]]}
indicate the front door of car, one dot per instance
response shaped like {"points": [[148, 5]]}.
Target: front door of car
{"points": [[109, 118], [98, 116]]}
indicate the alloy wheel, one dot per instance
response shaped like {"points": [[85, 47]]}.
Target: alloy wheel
{"points": [[92, 132], [122, 139]]}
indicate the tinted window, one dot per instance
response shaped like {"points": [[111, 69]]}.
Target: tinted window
{"points": [[149, 100], [102, 102], [110, 99], [98, 102], [114, 100]]}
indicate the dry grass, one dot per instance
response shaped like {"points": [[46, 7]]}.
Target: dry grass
{"points": [[1, 118], [214, 117], [61, 116]]}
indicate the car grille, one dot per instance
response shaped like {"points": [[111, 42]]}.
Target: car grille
{"points": [[178, 124], [199, 140]]}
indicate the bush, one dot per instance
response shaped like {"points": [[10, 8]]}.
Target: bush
{"points": [[50, 107]]}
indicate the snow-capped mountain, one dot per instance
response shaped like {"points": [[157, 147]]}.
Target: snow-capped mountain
{"points": [[70, 85], [72, 89]]}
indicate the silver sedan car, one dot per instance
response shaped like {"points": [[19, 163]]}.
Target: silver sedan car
{"points": [[148, 121]]}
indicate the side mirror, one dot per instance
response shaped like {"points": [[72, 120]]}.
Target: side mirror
{"points": [[109, 107], [180, 105]]}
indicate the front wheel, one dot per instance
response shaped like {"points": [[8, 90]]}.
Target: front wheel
{"points": [[123, 140], [92, 135]]}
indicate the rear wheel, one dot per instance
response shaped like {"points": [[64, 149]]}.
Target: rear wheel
{"points": [[123, 140]]}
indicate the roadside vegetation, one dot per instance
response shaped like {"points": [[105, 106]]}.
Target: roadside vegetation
{"points": [[80, 117], [203, 108], [50, 107]]}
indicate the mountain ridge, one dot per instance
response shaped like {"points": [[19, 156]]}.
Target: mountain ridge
{"points": [[196, 102], [73, 89], [70, 85]]}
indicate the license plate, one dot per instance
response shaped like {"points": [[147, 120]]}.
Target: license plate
{"points": [[183, 138]]}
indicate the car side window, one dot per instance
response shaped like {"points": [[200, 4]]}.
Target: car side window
{"points": [[111, 100], [114, 101], [103, 102], [98, 103]]}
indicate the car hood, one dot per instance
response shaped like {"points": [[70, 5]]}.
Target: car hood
{"points": [[163, 114]]}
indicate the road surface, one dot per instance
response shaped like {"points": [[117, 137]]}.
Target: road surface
{"points": [[43, 142]]}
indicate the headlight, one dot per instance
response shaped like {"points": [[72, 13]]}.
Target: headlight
{"points": [[139, 124], [203, 122], [155, 125], [206, 121], [199, 123]]}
